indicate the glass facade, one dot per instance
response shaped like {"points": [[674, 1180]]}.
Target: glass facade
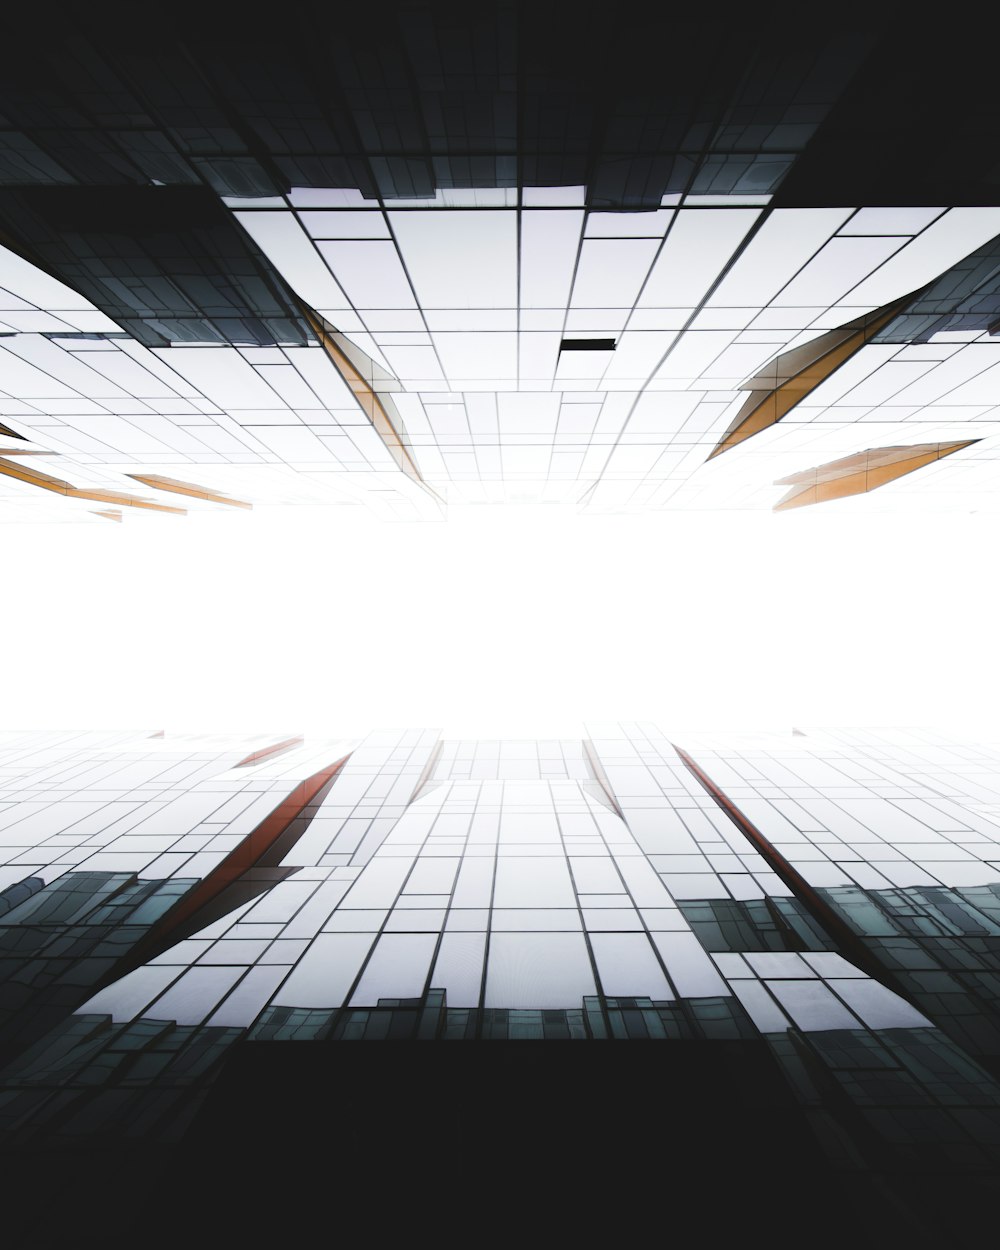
{"points": [[404, 260], [421, 255], [191, 928]]}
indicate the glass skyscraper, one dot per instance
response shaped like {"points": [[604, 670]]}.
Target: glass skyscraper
{"points": [[426, 255]]}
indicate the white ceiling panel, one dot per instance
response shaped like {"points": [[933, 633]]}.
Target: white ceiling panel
{"points": [[611, 271], [786, 241], [699, 245], [287, 246], [460, 258], [346, 224], [958, 233], [549, 244], [370, 272], [477, 356]]}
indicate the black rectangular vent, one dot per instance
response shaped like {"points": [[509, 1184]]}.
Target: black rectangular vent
{"points": [[587, 345]]}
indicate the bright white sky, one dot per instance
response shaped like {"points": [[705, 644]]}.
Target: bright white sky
{"points": [[520, 622]]}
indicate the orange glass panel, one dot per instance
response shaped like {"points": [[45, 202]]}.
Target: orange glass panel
{"points": [[35, 477], [862, 472], [375, 406], [187, 488], [791, 376]]}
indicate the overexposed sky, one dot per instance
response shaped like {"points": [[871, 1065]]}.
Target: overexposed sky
{"points": [[510, 621]]}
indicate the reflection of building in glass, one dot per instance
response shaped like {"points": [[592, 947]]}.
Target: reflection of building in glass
{"points": [[189, 921]]}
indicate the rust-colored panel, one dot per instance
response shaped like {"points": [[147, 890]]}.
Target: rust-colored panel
{"points": [[815, 904], [187, 488], [237, 863], [279, 748], [35, 477], [794, 374], [109, 515], [862, 472]]}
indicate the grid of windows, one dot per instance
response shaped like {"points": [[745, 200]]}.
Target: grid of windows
{"points": [[821, 910], [170, 257], [455, 315]]}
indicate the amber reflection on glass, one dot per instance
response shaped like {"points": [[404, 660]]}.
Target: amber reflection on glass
{"points": [[187, 488], [377, 406], [790, 377], [862, 472], [35, 477]]}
